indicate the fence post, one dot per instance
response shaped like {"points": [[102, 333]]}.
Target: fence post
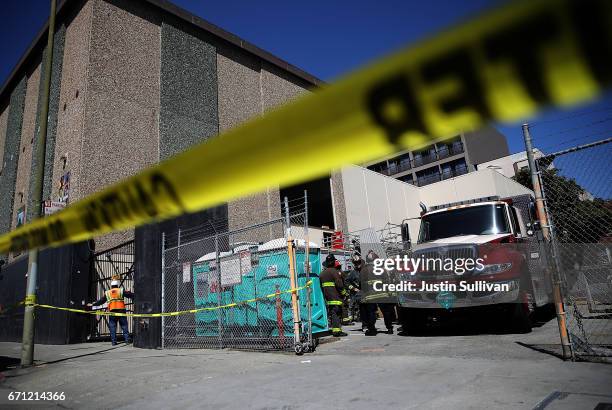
{"points": [[163, 287], [546, 231], [219, 289], [292, 277], [307, 269]]}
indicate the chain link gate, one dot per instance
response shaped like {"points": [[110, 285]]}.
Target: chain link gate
{"points": [[577, 191], [116, 261], [251, 269]]}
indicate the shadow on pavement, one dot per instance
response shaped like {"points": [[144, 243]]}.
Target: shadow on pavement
{"points": [[8, 362], [474, 324]]}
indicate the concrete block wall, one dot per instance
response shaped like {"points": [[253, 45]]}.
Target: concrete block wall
{"points": [[56, 69], [275, 88], [11, 154], [132, 85], [121, 119], [72, 101], [28, 130]]}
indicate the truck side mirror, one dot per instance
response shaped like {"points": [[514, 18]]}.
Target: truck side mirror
{"points": [[405, 235]]}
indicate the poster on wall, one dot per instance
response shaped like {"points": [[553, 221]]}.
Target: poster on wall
{"points": [[20, 216], [64, 188], [21, 219]]}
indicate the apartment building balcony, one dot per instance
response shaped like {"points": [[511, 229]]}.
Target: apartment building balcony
{"points": [[454, 172], [446, 151]]}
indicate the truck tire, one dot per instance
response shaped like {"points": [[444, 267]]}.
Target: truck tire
{"points": [[412, 320], [520, 318]]}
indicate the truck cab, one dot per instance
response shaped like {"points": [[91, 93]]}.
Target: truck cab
{"points": [[498, 235]]}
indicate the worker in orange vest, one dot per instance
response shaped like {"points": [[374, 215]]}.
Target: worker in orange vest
{"points": [[116, 304]]}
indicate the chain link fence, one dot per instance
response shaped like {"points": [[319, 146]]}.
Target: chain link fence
{"points": [[577, 191], [240, 282]]}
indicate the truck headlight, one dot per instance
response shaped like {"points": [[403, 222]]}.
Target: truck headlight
{"points": [[495, 268]]}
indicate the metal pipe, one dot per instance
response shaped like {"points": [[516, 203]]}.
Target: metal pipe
{"points": [[292, 277], [27, 345], [307, 268], [219, 289], [547, 232]]}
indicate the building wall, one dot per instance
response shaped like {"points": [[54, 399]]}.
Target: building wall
{"points": [[372, 200], [132, 85], [509, 164], [11, 154], [51, 134], [484, 145], [24, 164], [338, 202], [264, 87], [72, 100], [3, 124], [121, 135], [474, 185]]}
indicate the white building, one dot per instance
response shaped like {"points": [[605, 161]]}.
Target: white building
{"points": [[510, 164], [372, 200]]}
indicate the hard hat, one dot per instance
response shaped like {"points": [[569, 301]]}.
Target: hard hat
{"points": [[114, 283], [330, 260]]}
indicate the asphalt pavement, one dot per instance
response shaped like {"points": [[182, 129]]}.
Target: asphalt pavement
{"points": [[455, 369]]}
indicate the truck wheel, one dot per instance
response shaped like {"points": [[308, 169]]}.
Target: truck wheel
{"points": [[520, 317], [412, 321]]}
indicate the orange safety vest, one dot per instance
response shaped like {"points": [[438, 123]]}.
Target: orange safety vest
{"points": [[114, 298]]}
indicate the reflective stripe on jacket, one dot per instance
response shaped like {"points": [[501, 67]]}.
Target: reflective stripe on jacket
{"points": [[332, 286], [114, 297]]}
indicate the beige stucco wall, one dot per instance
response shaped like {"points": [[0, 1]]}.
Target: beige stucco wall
{"points": [[24, 165], [248, 89], [73, 95], [3, 124], [121, 134]]}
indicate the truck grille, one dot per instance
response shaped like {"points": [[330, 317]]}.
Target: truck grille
{"points": [[442, 253]]}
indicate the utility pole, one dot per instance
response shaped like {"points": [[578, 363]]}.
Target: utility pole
{"points": [[549, 237], [27, 344]]}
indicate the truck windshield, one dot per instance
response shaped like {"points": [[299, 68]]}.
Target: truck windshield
{"points": [[474, 220]]}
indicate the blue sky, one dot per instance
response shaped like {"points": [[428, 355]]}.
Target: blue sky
{"points": [[331, 38]]}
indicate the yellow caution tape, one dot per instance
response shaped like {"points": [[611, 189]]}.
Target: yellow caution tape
{"points": [[177, 313], [502, 66]]}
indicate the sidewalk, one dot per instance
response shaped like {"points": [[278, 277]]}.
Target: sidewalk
{"points": [[357, 372]]}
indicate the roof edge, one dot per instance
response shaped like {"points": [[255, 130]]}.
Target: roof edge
{"points": [[64, 6]]}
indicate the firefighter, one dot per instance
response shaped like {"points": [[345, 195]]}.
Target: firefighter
{"points": [[367, 307], [116, 304], [346, 317], [333, 286], [353, 284], [386, 308]]}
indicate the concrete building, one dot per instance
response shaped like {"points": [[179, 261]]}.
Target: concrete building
{"points": [[133, 82], [509, 165], [442, 160]]}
